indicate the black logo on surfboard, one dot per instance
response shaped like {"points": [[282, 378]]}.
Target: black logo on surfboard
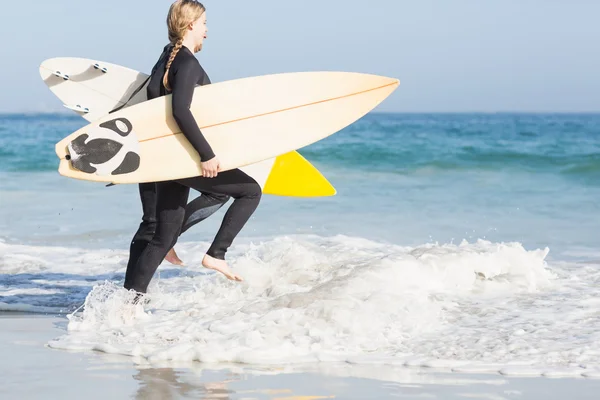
{"points": [[111, 148]]}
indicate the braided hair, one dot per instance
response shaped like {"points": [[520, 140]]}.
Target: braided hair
{"points": [[181, 14]]}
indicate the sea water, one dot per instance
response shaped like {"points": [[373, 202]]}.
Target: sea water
{"points": [[464, 241]]}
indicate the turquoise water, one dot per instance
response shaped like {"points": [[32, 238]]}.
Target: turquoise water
{"points": [[406, 179], [397, 143]]}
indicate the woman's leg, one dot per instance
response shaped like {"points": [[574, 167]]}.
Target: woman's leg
{"points": [[202, 207], [246, 194], [147, 227], [171, 199], [197, 211]]}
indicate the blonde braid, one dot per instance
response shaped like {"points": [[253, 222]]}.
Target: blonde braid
{"points": [[178, 46], [181, 14]]}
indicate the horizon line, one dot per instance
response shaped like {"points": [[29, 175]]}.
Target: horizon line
{"points": [[73, 114]]}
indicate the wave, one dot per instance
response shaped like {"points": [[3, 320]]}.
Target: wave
{"points": [[312, 298], [467, 306]]}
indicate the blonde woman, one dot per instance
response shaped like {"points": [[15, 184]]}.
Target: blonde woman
{"points": [[178, 72]]}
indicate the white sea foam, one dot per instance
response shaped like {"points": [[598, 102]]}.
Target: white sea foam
{"points": [[472, 307]]}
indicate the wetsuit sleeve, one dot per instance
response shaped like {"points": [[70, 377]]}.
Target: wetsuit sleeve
{"points": [[183, 85]]}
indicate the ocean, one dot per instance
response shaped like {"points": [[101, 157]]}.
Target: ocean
{"points": [[462, 240]]}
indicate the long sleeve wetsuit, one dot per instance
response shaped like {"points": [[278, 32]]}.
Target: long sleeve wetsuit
{"points": [[165, 203]]}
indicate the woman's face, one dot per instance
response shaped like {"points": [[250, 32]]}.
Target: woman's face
{"points": [[199, 31]]}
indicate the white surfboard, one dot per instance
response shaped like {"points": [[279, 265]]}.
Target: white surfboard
{"points": [[95, 88], [245, 121]]}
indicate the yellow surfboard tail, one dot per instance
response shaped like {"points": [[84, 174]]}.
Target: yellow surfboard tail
{"points": [[293, 175]]}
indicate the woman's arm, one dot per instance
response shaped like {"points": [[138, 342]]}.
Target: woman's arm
{"points": [[183, 85]]}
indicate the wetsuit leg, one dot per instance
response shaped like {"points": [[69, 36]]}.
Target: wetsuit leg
{"points": [[202, 207], [196, 211], [171, 199], [147, 227], [246, 194]]}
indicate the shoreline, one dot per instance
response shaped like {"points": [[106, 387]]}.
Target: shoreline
{"points": [[66, 374]]}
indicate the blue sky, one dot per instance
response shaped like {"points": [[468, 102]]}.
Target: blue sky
{"points": [[459, 55]]}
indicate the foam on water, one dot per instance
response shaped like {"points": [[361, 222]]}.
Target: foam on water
{"points": [[471, 306], [52, 279]]}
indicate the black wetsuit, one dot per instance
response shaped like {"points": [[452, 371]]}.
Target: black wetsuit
{"points": [[164, 203]]}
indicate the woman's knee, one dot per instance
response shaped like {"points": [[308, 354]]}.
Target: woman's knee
{"points": [[247, 190], [167, 234], [169, 224], [254, 191]]}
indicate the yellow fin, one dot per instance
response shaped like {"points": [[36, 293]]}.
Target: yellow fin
{"points": [[293, 175]]}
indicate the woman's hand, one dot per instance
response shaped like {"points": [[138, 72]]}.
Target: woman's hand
{"points": [[210, 167]]}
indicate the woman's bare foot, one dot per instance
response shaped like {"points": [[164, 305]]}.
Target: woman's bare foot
{"points": [[173, 258], [221, 266]]}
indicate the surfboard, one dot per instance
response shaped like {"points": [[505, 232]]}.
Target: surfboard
{"points": [[245, 121], [95, 88]]}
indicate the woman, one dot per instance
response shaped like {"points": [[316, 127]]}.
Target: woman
{"points": [[177, 72]]}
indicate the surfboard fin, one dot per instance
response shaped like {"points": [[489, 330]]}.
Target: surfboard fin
{"points": [[293, 175]]}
